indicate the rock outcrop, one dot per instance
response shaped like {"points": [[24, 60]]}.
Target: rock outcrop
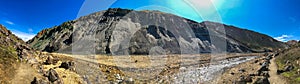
{"points": [[120, 31]]}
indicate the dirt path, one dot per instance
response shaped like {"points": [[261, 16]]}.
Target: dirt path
{"points": [[274, 78], [24, 74]]}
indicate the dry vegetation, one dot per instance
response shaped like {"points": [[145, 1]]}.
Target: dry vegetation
{"points": [[290, 57], [8, 64]]}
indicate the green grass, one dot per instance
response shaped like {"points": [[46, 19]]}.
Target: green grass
{"points": [[292, 55], [288, 74]]}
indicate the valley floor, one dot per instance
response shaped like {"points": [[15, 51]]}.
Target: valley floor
{"points": [[101, 69], [155, 69]]}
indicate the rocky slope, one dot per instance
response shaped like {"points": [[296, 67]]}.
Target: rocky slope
{"points": [[13, 50], [20, 64], [121, 31], [288, 62]]}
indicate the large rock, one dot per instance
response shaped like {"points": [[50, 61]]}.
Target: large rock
{"points": [[36, 81], [288, 68], [51, 60], [67, 65], [245, 79], [263, 80], [53, 76]]}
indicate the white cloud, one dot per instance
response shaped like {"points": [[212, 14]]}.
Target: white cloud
{"points": [[30, 30], [24, 36], [283, 38], [9, 22]]}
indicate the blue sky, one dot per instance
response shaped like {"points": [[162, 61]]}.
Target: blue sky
{"points": [[277, 18]]}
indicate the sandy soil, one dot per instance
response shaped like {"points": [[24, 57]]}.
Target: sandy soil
{"points": [[24, 74], [274, 77]]}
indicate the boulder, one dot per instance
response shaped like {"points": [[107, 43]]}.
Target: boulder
{"points": [[287, 62], [268, 58], [276, 54], [232, 73], [262, 81], [245, 79], [252, 74], [288, 68], [119, 79], [248, 79], [35, 81], [64, 65], [129, 81], [255, 61], [67, 65], [265, 74], [52, 75], [265, 63], [263, 68], [280, 71], [51, 60], [242, 70]]}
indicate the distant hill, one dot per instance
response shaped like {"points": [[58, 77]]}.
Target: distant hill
{"points": [[122, 31], [292, 42]]}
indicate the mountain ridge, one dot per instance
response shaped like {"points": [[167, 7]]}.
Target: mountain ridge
{"points": [[104, 27]]}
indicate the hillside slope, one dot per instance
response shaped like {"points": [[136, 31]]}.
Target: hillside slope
{"points": [[121, 31], [288, 61], [12, 49]]}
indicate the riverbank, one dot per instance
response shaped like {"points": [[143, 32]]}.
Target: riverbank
{"points": [[262, 70]]}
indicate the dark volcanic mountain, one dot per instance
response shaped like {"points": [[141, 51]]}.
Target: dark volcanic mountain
{"points": [[121, 31]]}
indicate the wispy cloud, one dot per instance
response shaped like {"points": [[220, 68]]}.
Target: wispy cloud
{"points": [[24, 36], [9, 22], [30, 30], [283, 38], [293, 19]]}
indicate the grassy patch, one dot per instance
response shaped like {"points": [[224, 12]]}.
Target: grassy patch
{"points": [[288, 74], [292, 55]]}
